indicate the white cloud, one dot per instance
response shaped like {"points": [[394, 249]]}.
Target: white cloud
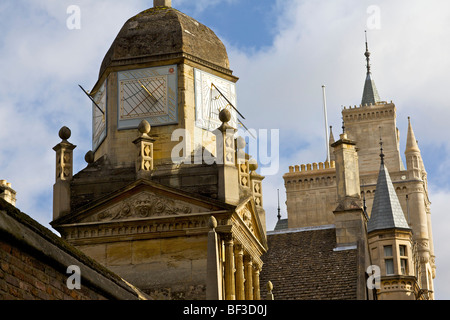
{"points": [[316, 42], [441, 238]]}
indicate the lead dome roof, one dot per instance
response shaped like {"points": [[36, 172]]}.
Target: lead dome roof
{"points": [[164, 33]]}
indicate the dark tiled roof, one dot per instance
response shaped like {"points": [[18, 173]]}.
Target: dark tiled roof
{"points": [[302, 265], [281, 224], [386, 212]]}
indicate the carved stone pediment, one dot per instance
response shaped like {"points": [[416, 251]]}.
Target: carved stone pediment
{"points": [[145, 204], [250, 219]]}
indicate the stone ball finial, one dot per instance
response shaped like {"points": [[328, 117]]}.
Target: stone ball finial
{"points": [[269, 286], [240, 142], [212, 222], [252, 164], [64, 133], [224, 115], [89, 157], [144, 127]]}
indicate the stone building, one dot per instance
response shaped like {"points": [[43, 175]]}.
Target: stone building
{"points": [[386, 218], [170, 206], [169, 200]]}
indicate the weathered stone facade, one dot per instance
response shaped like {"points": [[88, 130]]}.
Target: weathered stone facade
{"points": [[137, 210]]}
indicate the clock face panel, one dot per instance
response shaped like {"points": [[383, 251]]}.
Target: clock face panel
{"points": [[150, 94], [210, 94], [99, 117]]}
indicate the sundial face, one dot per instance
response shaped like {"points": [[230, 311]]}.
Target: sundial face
{"points": [[149, 93], [99, 117], [211, 95]]}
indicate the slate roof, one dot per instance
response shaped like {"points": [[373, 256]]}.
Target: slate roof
{"points": [[370, 93], [303, 265], [281, 224], [387, 212]]}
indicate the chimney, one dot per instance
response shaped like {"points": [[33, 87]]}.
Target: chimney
{"points": [[349, 215], [7, 193]]}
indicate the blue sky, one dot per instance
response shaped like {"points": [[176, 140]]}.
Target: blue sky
{"points": [[283, 52]]}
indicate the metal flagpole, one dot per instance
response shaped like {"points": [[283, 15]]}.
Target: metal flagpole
{"points": [[326, 123]]}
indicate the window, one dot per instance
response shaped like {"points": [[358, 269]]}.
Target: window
{"points": [[388, 251], [402, 250], [404, 266], [389, 261], [389, 266], [403, 259]]}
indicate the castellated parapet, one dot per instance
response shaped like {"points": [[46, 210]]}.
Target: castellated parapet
{"points": [[310, 175], [311, 194], [365, 125]]}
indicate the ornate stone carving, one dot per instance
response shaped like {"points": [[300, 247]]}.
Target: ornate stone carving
{"points": [[246, 216], [145, 205]]}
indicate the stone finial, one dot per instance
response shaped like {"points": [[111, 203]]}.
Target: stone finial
{"points": [[212, 223], [64, 155], [269, 291], [89, 157], [63, 174], [252, 164], [224, 115], [162, 3], [64, 133], [144, 127]]}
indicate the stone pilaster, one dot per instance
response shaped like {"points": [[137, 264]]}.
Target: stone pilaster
{"points": [[248, 267], [240, 280], [256, 288], [230, 293]]}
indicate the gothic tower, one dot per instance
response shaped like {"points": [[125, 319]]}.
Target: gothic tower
{"points": [[168, 200], [311, 189]]}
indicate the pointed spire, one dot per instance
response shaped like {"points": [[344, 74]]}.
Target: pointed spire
{"points": [[331, 135], [332, 157], [387, 212], [411, 142], [370, 93]]}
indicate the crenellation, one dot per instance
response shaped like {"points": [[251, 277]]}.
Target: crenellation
{"points": [[314, 167]]}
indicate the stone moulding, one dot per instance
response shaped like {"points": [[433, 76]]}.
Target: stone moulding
{"points": [[159, 226]]}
